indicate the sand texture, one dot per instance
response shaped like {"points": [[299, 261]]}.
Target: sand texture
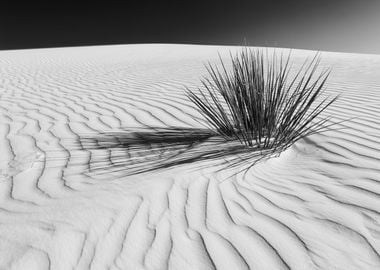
{"points": [[65, 205]]}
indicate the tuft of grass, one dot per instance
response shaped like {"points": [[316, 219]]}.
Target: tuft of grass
{"points": [[255, 109], [259, 103]]}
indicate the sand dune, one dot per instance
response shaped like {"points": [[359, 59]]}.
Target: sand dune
{"points": [[316, 206]]}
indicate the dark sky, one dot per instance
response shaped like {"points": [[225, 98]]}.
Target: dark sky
{"points": [[348, 26]]}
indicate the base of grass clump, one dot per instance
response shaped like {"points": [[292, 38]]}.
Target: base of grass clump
{"points": [[259, 103]]}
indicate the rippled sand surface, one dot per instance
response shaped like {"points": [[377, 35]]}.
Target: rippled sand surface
{"points": [[62, 206]]}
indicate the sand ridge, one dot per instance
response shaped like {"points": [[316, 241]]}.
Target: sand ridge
{"points": [[314, 207]]}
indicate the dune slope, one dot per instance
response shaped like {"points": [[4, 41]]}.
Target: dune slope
{"points": [[62, 206]]}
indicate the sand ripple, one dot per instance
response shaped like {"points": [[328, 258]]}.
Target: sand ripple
{"points": [[314, 207]]}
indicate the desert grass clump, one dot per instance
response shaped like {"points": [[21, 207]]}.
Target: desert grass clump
{"points": [[256, 108], [257, 102]]}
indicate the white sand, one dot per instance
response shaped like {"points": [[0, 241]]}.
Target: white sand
{"points": [[317, 206]]}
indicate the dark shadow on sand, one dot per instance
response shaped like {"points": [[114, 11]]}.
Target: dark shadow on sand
{"points": [[146, 150]]}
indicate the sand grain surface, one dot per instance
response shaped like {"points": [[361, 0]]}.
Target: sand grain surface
{"points": [[317, 206]]}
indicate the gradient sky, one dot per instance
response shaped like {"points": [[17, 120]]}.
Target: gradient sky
{"points": [[347, 26]]}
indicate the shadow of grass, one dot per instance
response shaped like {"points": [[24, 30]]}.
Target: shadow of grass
{"points": [[149, 150]]}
